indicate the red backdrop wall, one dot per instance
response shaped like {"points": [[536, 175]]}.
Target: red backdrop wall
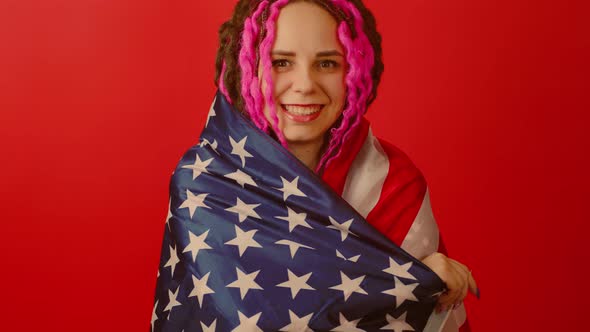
{"points": [[99, 99]]}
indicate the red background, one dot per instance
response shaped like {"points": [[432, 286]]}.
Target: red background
{"points": [[99, 99]]}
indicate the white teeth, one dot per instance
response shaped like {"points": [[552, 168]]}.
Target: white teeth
{"points": [[302, 110]]}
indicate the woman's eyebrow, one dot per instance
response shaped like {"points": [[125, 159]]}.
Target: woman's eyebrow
{"points": [[284, 53], [329, 53], [319, 54]]}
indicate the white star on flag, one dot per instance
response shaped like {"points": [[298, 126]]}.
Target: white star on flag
{"points": [[349, 286], [193, 202], [244, 240], [172, 300], [201, 289], [397, 324], [353, 259], [248, 324], [196, 243], [154, 315], [298, 324], [241, 178], [210, 114], [293, 246], [210, 328], [245, 282], [244, 210], [344, 227], [173, 260], [213, 145], [295, 219], [402, 292], [296, 283], [401, 271], [199, 166], [290, 188], [239, 149], [347, 326]]}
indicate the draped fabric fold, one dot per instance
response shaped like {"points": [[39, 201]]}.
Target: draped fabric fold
{"points": [[255, 241]]}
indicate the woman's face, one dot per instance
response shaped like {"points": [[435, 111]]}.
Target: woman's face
{"points": [[308, 73]]}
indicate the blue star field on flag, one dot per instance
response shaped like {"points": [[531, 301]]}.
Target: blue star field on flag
{"points": [[255, 241]]}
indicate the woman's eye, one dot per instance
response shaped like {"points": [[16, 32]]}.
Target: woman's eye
{"points": [[328, 64], [280, 63]]}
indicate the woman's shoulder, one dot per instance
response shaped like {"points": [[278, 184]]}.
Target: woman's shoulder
{"points": [[369, 160]]}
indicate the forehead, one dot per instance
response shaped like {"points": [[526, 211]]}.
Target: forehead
{"points": [[305, 26]]}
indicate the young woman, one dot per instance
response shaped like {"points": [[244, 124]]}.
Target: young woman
{"points": [[290, 214]]}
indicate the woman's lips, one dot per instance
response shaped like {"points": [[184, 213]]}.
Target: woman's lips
{"points": [[302, 113]]}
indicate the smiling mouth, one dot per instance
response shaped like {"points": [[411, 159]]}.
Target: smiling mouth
{"points": [[302, 113], [302, 109]]}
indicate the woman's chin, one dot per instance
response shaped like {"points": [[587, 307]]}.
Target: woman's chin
{"points": [[302, 139]]}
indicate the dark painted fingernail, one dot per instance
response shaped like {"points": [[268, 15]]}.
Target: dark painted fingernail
{"points": [[477, 293]]}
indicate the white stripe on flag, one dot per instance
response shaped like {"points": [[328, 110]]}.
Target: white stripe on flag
{"points": [[366, 176], [422, 238]]}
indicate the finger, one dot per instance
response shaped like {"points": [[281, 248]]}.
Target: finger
{"points": [[446, 299], [473, 286], [461, 274], [453, 274], [470, 280], [463, 271], [440, 265], [456, 284]]}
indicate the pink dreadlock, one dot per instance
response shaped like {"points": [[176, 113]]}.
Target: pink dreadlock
{"points": [[359, 55]]}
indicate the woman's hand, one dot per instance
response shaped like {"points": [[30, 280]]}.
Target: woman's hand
{"points": [[457, 278]]}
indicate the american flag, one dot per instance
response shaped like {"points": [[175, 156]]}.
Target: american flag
{"points": [[255, 241]]}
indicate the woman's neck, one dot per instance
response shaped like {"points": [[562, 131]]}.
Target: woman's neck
{"points": [[308, 153]]}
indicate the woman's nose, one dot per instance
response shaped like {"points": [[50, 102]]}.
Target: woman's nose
{"points": [[303, 81]]}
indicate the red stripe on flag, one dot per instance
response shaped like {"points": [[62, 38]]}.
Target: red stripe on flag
{"points": [[335, 174]]}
